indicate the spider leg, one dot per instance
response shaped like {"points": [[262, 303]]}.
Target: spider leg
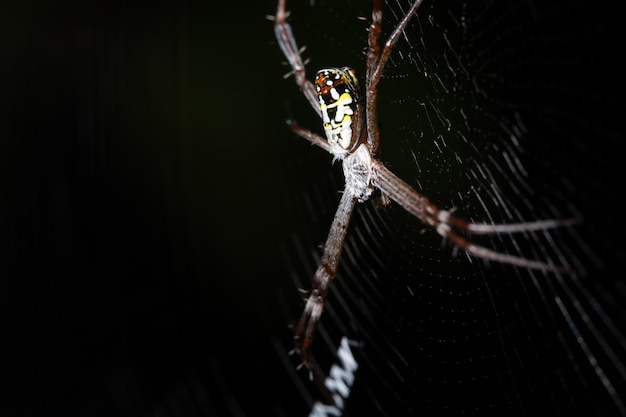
{"points": [[324, 274], [485, 253], [373, 57], [287, 43], [312, 137], [376, 60], [485, 229], [391, 41], [442, 222]]}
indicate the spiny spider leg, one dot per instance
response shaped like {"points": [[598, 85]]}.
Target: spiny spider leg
{"points": [[312, 137], [489, 229], [442, 221], [324, 274], [376, 61], [287, 43]]}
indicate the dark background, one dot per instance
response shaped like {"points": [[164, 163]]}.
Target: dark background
{"points": [[152, 198]]}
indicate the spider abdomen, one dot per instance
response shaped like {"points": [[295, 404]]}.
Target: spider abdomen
{"points": [[339, 98]]}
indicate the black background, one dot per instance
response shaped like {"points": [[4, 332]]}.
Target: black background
{"points": [[150, 188]]}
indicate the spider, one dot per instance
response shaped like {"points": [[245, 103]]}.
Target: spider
{"points": [[351, 128]]}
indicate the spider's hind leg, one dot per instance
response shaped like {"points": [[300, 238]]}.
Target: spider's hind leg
{"points": [[303, 339], [324, 274], [487, 229], [444, 223]]}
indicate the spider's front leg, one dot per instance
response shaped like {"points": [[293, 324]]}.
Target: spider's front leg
{"points": [[376, 60], [287, 43], [323, 276]]}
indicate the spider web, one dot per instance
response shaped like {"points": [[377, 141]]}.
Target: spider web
{"points": [[490, 109], [158, 218]]}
